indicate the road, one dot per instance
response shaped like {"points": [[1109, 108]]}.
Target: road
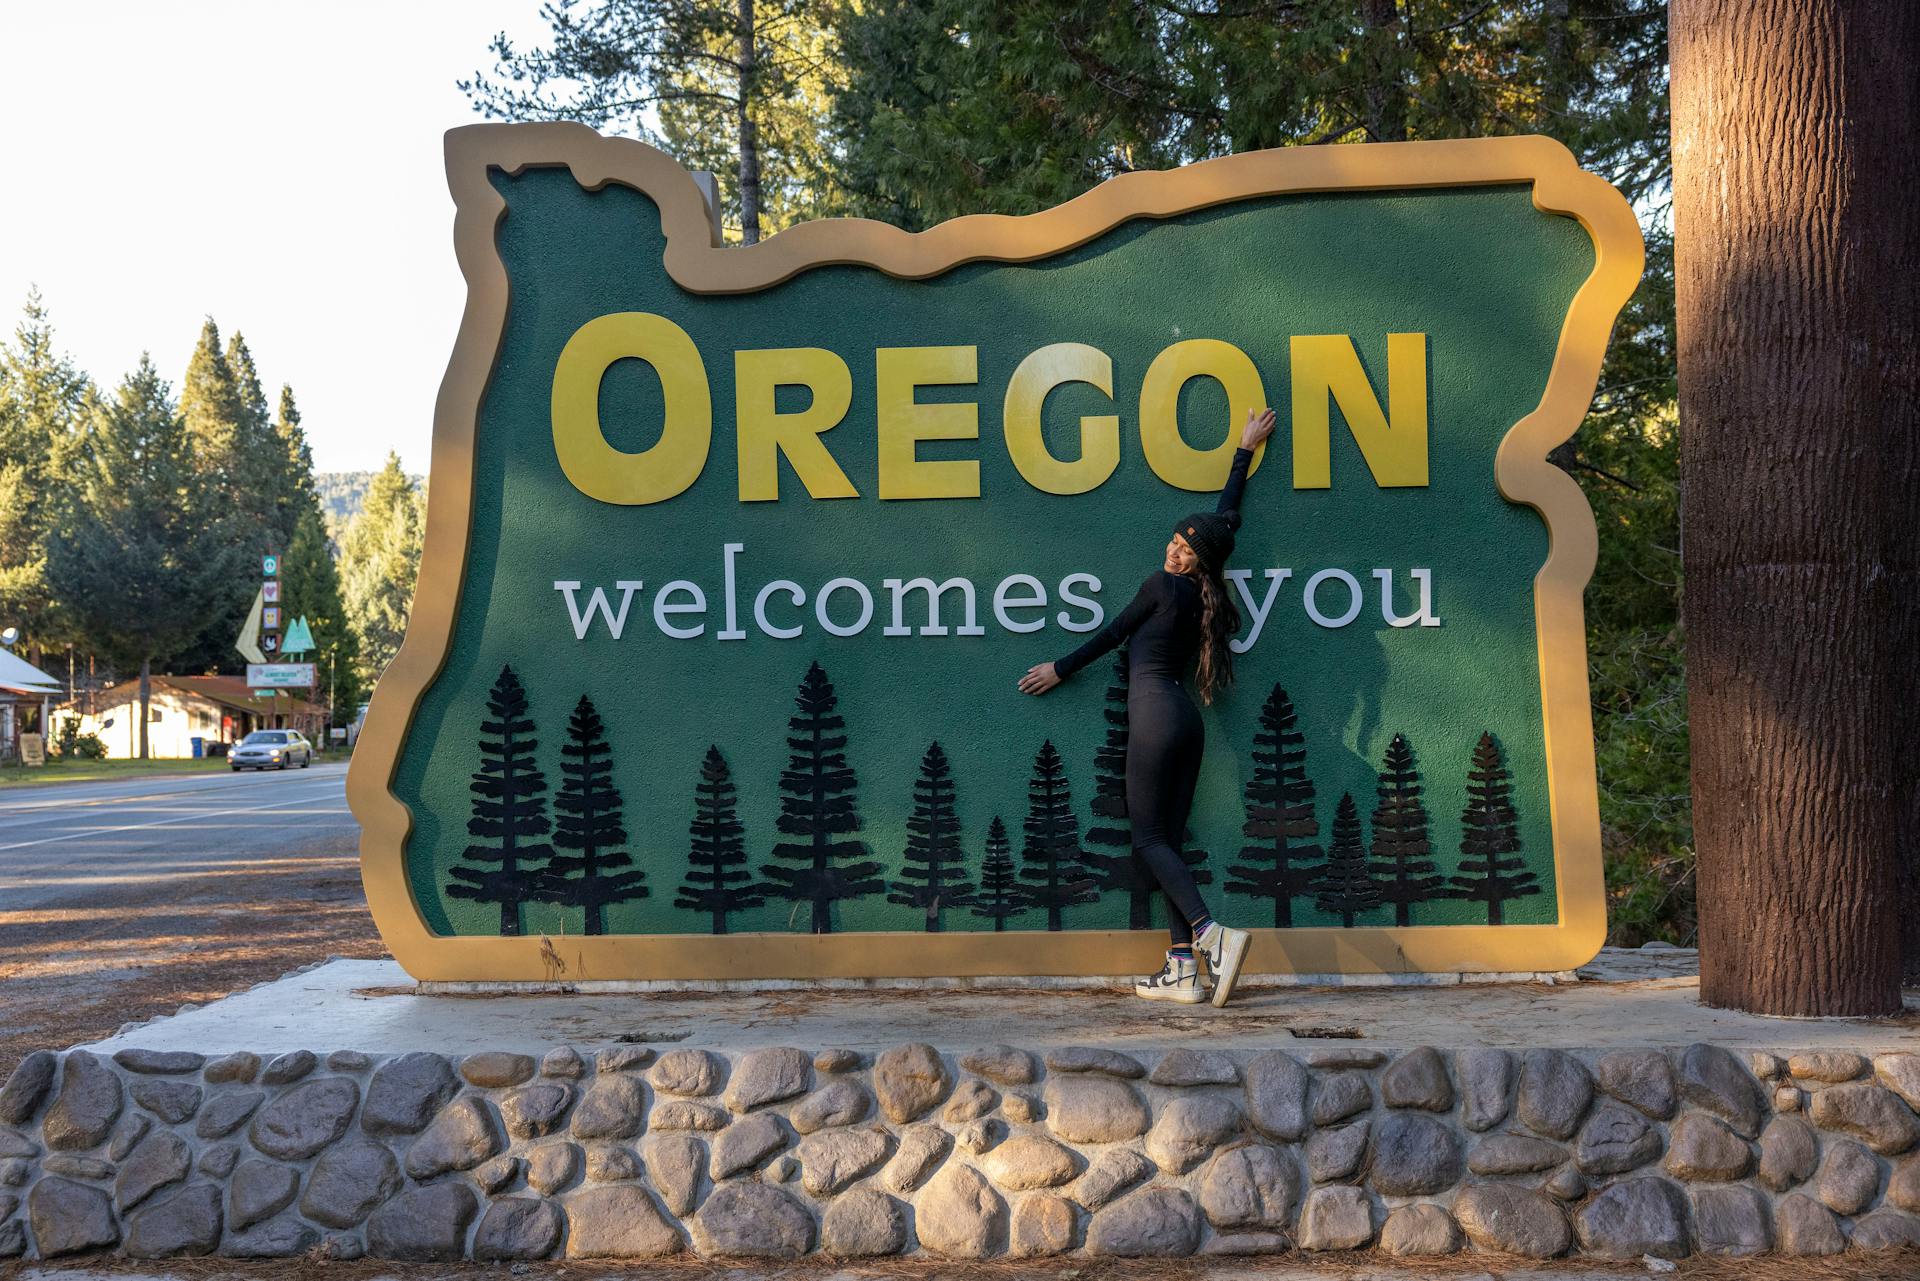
{"points": [[126, 899]]}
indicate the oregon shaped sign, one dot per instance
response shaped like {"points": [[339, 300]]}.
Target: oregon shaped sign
{"points": [[735, 556]]}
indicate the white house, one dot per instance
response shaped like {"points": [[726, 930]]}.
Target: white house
{"points": [[26, 693], [214, 709]]}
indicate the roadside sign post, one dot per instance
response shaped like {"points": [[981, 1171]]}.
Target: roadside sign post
{"points": [[270, 640], [271, 677]]}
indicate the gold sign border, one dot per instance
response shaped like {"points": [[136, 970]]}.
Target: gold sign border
{"points": [[693, 261]]}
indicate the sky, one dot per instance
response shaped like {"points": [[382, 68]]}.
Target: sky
{"points": [[273, 165]]}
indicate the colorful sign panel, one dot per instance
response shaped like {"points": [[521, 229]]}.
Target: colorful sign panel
{"points": [[299, 637], [280, 675], [735, 556]]}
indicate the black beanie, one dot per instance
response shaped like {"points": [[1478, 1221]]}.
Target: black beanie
{"points": [[1210, 534]]}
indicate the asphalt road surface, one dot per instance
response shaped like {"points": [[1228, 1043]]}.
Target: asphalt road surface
{"points": [[126, 899]]}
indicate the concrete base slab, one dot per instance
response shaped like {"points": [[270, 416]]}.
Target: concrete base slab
{"points": [[1624, 999]]}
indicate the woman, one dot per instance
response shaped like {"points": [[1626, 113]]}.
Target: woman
{"points": [[1181, 613]]}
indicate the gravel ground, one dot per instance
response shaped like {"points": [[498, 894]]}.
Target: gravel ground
{"points": [[121, 903]]}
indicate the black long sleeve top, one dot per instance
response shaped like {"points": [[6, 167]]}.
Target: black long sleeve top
{"points": [[1163, 620]]}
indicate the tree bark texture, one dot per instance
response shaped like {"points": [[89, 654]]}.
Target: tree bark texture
{"points": [[749, 131], [1385, 95], [1796, 266]]}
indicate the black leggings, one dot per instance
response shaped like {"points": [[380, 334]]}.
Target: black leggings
{"points": [[1164, 741]]}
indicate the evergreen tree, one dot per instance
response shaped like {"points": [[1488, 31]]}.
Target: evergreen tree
{"points": [[140, 558], [590, 822], [1119, 869], [44, 405], [1346, 887], [261, 473], [934, 875], [1282, 862], [378, 565], [1402, 863], [817, 805], [735, 87], [296, 490], [1000, 894], [509, 811], [250, 398], [717, 880], [1490, 835], [1015, 105], [245, 468], [1053, 866], [210, 402], [310, 589]]}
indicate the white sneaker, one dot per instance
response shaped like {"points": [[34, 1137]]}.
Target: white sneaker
{"points": [[1178, 980], [1224, 951]]}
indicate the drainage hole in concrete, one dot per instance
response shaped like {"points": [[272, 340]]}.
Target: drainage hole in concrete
{"points": [[1307, 1033]]}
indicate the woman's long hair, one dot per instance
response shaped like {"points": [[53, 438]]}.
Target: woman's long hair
{"points": [[1219, 624]]}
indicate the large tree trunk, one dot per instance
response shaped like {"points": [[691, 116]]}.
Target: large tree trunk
{"points": [[749, 131], [146, 695], [1556, 91], [1796, 267], [1384, 99]]}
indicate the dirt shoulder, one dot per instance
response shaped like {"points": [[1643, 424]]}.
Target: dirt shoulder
{"points": [[75, 974]]}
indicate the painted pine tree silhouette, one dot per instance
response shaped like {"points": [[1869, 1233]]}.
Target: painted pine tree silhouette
{"points": [[816, 805], [934, 875], [590, 823], [1000, 894], [1109, 853], [509, 810], [1346, 887], [1052, 868], [1283, 862], [717, 882], [1490, 836], [1114, 865], [1402, 862]]}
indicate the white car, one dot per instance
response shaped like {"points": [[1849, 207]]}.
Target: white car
{"points": [[271, 749]]}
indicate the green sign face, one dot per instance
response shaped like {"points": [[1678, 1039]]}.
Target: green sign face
{"points": [[736, 555]]}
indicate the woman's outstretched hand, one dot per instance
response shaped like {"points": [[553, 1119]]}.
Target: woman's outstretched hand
{"points": [[1039, 679], [1259, 427]]}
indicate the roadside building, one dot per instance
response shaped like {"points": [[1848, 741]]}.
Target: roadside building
{"points": [[26, 695], [214, 709]]}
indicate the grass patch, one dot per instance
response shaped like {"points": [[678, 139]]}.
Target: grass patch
{"points": [[58, 771]]}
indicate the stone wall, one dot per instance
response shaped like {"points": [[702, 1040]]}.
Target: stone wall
{"points": [[997, 1152]]}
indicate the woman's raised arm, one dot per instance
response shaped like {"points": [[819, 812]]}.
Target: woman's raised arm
{"points": [[1259, 427]]}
